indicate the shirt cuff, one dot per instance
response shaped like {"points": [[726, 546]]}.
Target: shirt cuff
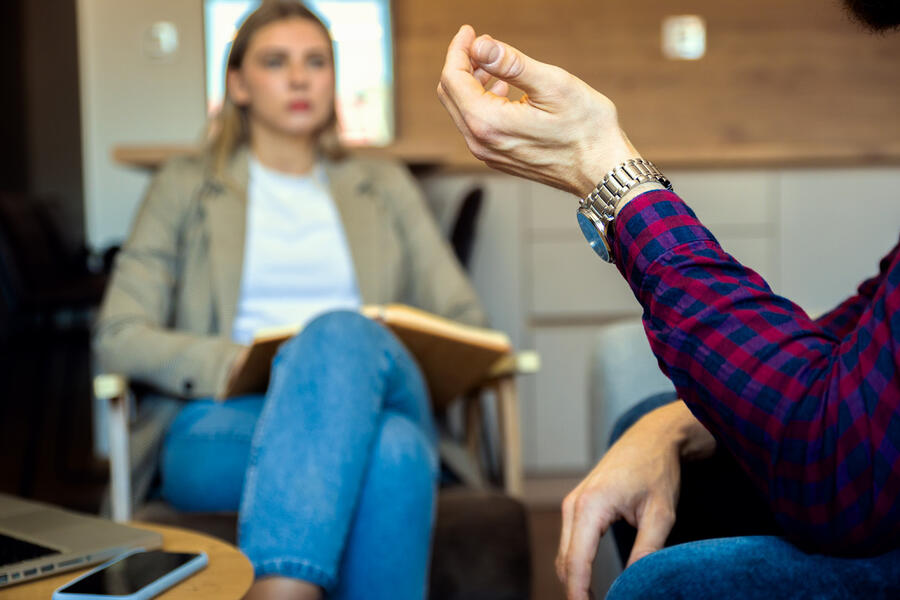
{"points": [[648, 228]]}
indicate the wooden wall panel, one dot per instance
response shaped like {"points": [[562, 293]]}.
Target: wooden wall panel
{"points": [[782, 82]]}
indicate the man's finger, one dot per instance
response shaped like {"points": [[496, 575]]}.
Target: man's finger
{"points": [[587, 528], [457, 78], [459, 86], [482, 76], [450, 106], [458, 81], [478, 149], [652, 530], [458, 57], [565, 537], [499, 88], [514, 67]]}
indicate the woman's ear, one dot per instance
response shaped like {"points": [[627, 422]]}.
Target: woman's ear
{"points": [[237, 89]]}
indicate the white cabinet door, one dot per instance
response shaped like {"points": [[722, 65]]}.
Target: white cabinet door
{"points": [[835, 226], [557, 426]]}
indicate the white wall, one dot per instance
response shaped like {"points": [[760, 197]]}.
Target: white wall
{"points": [[835, 225], [128, 98]]}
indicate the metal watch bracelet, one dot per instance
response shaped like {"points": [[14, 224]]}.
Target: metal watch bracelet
{"points": [[605, 197], [597, 210]]}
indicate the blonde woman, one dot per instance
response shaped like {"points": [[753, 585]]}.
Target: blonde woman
{"points": [[333, 470]]}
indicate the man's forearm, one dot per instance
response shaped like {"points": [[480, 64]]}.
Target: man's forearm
{"points": [[676, 425]]}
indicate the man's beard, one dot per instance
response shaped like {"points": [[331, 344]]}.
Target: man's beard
{"points": [[877, 15]]}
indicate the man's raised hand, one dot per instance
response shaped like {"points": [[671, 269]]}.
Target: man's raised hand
{"points": [[561, 132]]}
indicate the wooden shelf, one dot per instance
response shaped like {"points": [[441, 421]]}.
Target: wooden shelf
{"points": [[151, 157]]}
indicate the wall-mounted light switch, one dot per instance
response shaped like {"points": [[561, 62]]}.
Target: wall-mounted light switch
{"points": [[684, 37], [160, 42]]}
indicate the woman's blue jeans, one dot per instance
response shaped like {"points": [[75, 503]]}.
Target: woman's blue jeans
{"points": [[333, 471], [719, 502]]}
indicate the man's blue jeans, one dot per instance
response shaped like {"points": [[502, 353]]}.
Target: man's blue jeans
{"points": [[718, 502], [334, 470]]}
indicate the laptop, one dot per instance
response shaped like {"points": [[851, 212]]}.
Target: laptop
{"points": [[37, 540]]}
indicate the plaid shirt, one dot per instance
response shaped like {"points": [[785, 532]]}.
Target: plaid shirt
{"points": [[810, 408]]}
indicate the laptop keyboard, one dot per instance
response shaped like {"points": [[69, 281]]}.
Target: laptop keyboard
{"points": [[14, 550]]}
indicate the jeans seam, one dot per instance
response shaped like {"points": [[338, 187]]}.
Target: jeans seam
{"points": [[246, 505]]}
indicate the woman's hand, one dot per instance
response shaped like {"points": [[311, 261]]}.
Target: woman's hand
{"points": [[562, 132], [638, 479], [236, 366]]}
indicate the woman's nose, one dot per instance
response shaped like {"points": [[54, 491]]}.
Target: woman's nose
{"points": [[298, 76]]}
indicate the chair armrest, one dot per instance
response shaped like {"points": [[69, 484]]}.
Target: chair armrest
{"points": [[110, 386], [114, 390], [526, 362]]}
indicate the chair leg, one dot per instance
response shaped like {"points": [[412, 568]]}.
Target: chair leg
{"points": [[474, 429], [508, 408], [119, 458]]}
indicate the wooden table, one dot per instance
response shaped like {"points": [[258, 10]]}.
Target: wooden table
{"points": [[227, 576]]}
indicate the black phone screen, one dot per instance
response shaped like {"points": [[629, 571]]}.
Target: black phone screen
{"points": [[130, 574]]}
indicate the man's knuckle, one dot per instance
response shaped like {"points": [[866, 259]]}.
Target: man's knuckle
{"points": [[584, 503], [573, 566], [666, 514], [560, 571], [478, 151], [482, 130]]}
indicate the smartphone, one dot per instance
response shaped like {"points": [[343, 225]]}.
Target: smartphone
{"points": [[136, 575]]}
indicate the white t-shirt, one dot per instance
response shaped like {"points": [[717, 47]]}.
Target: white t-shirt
{"points": [[297, 263]]}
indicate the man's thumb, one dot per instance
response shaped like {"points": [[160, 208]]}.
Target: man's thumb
{"points": [[510, 65]]}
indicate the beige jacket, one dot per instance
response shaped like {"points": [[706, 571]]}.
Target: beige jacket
{"points": [[168, 312]]}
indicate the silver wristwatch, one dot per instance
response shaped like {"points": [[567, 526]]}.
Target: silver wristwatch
{"points": [[597, 211]]}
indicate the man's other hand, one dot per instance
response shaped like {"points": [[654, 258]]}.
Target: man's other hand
{"points": [[638, 480], [561, 132]]}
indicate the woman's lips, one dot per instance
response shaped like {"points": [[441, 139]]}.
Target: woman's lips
{"points": [[299, 105]]}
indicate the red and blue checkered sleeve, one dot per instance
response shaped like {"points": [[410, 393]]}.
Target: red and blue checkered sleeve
{"points": [[812, 416]]}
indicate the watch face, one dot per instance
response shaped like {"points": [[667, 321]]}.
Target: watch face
{"points": [[590, 230]]}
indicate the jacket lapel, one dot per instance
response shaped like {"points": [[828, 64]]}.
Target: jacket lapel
{"points": [[226, 216], [354, 194]]}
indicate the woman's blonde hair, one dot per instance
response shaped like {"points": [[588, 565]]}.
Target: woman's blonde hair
{"points": [[230, 128]]}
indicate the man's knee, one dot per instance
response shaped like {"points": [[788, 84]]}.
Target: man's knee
{"points": [[669, 573], [763, 567]]}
